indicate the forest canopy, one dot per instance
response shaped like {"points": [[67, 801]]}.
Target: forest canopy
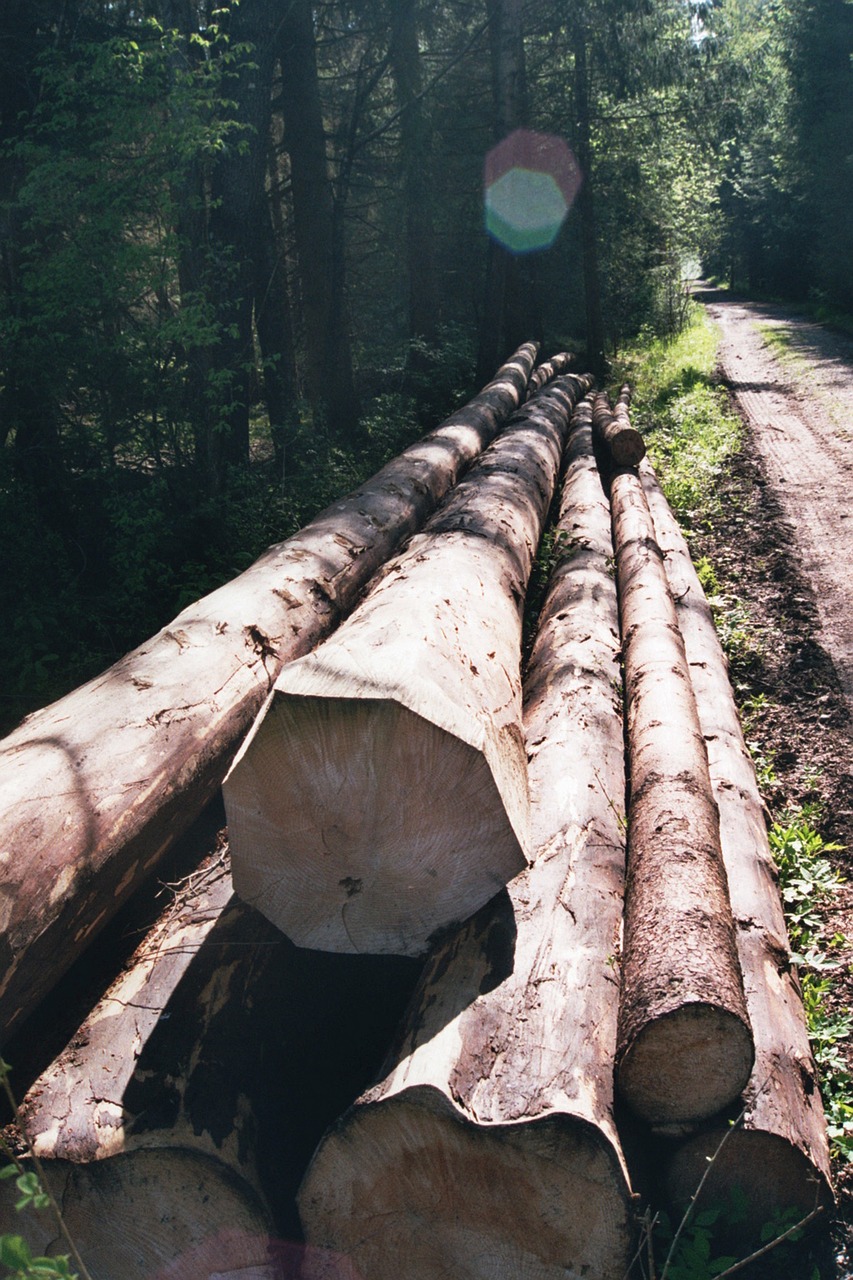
{"points": [[244, 253]]}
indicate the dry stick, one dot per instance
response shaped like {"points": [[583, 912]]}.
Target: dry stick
{"points": [[96, 787], [780, 1152], [160, 1108], [624, 445], [382, 793], [488, 1150], [685, 1048]]}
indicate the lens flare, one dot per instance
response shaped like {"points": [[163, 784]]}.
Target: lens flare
{"points": [[530, 182]]}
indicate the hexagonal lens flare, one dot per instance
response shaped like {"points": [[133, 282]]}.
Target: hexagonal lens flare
{"points": [[530, 181]]}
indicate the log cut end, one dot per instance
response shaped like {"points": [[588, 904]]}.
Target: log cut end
{"points": [[686, 1065], [406, 1188], [422, 841], [151, 1215], [772, 1176]]}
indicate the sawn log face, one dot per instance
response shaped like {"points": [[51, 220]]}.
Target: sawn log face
{"points": [[488, 1147], [382, 794], [96, 787], [685, 1047]]}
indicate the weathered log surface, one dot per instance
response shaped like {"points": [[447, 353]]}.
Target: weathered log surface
{"points": [[624, 445], [779, 1153], [685, 1047], [382, 793], [96, 787], [548, 370], [165, 1093], [489, 1149]]}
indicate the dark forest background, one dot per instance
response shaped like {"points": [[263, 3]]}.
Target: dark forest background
{"points": [[243, 256]]}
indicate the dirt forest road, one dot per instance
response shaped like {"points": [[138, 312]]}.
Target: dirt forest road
{"points": [[793, 382]]}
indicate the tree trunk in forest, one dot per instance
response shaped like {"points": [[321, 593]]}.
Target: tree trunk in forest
{"points": [[98, 786], [624, 445], [685, 1048], [489, 1150], [275, 334], [418, 185], [238, 213], [161, 1106], [328, 357], [507, 309], [596, 359], [778, 1153], [382, 793]]}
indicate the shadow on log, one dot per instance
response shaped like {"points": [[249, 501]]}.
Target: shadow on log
{"points": [[488, 1150], [778, 1155], [685, 1046], [382, 793], [96, 787], [177, 1124]]}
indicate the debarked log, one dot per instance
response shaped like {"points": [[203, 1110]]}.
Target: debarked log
{"points": [[159, 1128], [488, 1149], [548, 370], [685, 1046], [382, 792], [624, 445], [97, 786], [778, 1152]]}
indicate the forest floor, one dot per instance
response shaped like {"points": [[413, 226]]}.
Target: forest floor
{"points": [[783, 546]]}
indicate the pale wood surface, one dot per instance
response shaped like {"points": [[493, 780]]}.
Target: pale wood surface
{"points": [[780, 1155], [97, 786], [488, 1149], [685, 1047], [382, 793]]}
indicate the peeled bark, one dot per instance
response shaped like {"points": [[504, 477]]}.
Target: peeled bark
{"points": [[624, 445], [685, 1048], [778, 1154], [96, 787], [161, 1109], [488, 1150], [382, 792]]}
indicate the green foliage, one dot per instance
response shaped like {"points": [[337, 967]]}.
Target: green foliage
{"points": [[808, 882]]}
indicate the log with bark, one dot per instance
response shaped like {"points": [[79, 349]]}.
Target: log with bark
{"points": [[624, 445], [488, 1149], [382, 793], [548, 370], [685, 1047], [778, 1153], [189, 1101], [96, 787]]}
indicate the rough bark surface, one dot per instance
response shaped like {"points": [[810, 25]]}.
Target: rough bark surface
{"points": [[489, 1149], [779, 1152], [548, 370], [624, 445], [685, 1048], [166, 1084], [382, 793], [96, 787]]}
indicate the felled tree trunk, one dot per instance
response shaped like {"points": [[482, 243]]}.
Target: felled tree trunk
{"points": [[685, 1048], [96, 787], [778, 1153], [548, 370], [624, 445], [162, 1112], [488, 1150], [382, 793]]}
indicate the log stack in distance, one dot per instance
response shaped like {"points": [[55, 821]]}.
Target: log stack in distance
{"points": [[382, 793], [488, 1150]]}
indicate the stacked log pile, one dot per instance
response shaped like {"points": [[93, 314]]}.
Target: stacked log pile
{"points": [[396, 759], [96, 787]]}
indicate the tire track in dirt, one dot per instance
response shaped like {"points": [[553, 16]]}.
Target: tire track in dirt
{"points": [[800, 412]]}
